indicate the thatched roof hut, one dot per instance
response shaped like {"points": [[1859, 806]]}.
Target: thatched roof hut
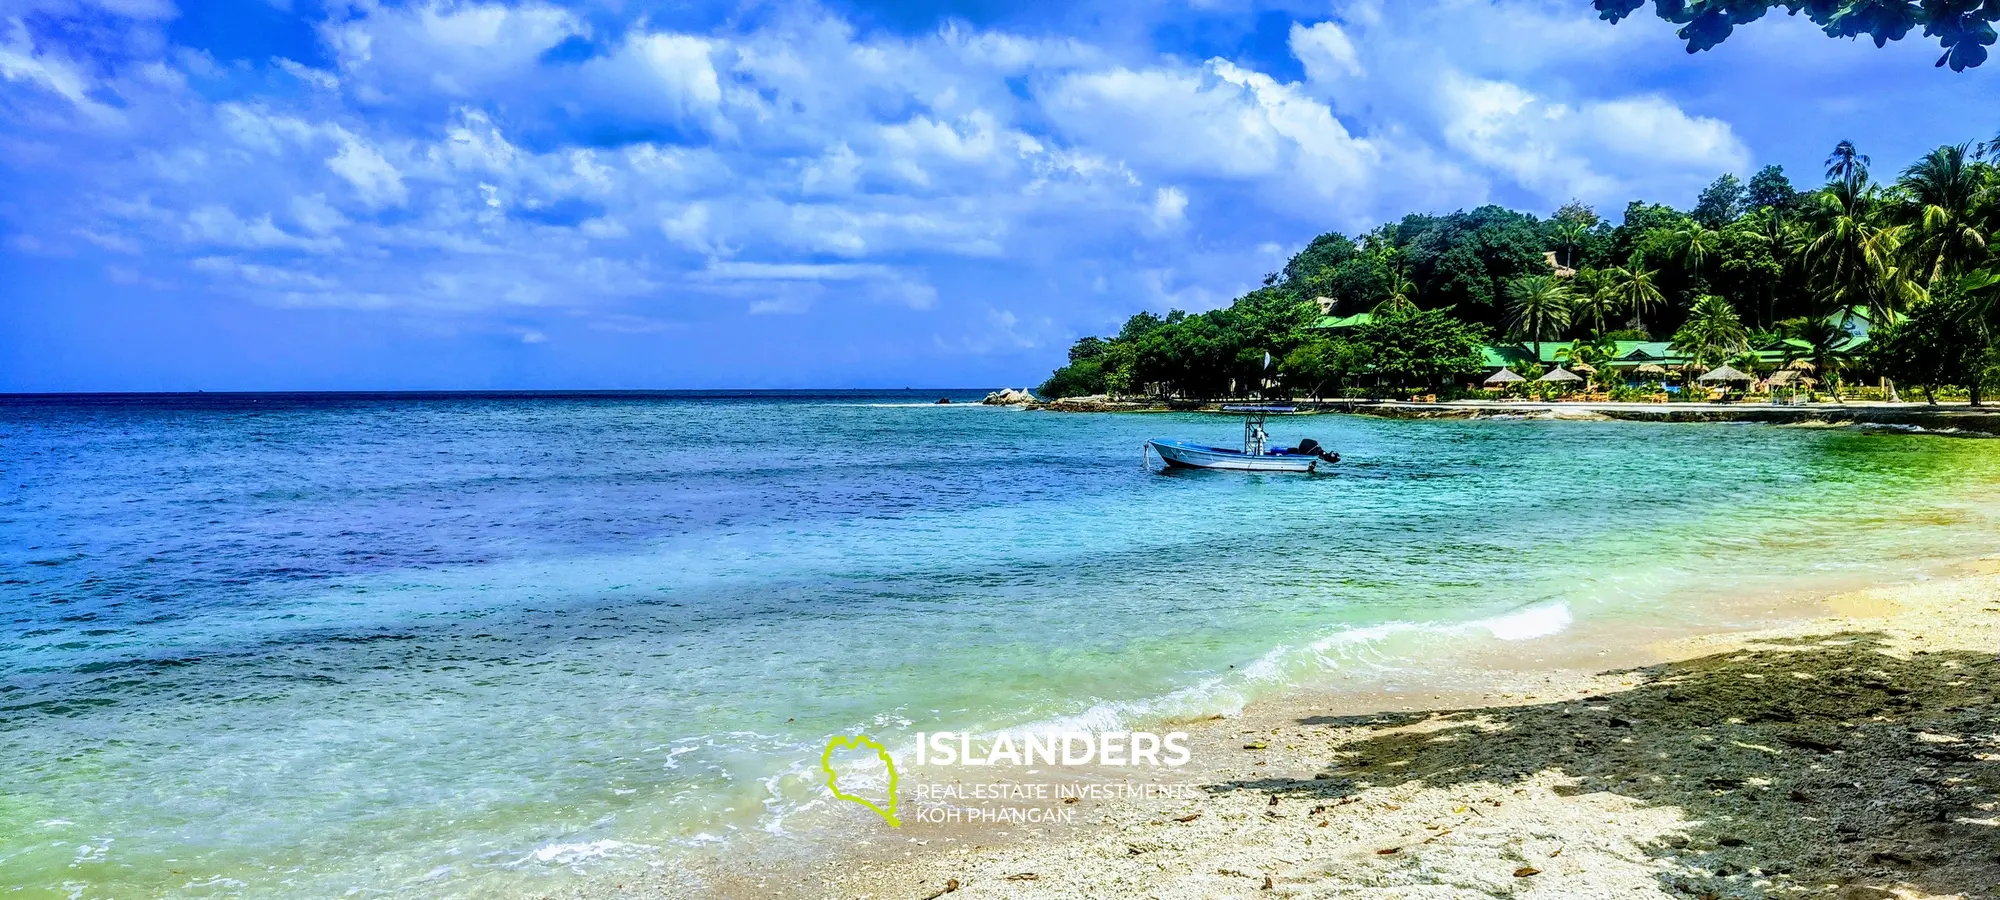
{"points": [[1724, 373]]}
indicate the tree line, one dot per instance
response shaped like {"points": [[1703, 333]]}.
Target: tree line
{"points": [[1749, 263]]}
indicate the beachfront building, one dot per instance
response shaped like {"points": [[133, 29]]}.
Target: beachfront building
{"points": [[1628, 357]]}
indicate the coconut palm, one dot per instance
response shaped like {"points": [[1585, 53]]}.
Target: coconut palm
{"points": [[1694, 243], [1946, 190], [1846, 165], [1990, 150], [1590, 357], [1824, 338], [1713, 332], [1402, 296], [1853, 261], [1635, 287], [1570, 235], [1593, 308], [1538, 306]]}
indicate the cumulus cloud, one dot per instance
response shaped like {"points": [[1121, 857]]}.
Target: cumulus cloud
{"points": [[375, 181], [468, 159]]}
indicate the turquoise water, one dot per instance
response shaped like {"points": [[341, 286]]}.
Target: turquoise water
{"points": [[319, 646]]}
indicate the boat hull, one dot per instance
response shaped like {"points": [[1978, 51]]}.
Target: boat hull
{"points": [[1179, 454]]}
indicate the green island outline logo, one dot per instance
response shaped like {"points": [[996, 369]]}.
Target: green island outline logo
{"points": [[832, 779]]}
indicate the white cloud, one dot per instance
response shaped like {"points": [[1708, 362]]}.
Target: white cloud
{"points": [[407, 54], [1560, 151], [689, 228], [797, 163], [53, 72], [1169, 207], [1326, 51], [318, 78], [375, 181]]}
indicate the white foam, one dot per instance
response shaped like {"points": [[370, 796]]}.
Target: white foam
{"points": [[1537, 621], [575, 854]]}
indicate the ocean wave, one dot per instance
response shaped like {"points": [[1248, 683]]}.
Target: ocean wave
{"points": [[1287, 666], [1541, 620], [575, 855]]}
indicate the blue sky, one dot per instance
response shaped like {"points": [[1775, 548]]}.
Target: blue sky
{"points": [[330, 194]]}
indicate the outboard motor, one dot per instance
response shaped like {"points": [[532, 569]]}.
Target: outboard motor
{"points": [[1310, 447]]}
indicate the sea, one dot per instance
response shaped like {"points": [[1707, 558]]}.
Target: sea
{"points": [[453, 645]]}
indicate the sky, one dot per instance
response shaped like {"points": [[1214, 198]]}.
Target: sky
{"points": [[364, 195]]}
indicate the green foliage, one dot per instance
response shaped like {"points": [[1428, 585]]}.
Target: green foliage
{"points": [[1712, 334], [1964, 28], [1847, 165], [1320, 363], [1321, 256], [1077, 379], [1747, 266], [1948, 195], [1538, 307], [1420, 348], [1770, 189], [1720, 203], [1355, 285], [1762, 255], [1466, 258], [1947, 341]]}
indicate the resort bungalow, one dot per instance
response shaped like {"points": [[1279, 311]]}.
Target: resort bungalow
{"points": [[1628, 357]]}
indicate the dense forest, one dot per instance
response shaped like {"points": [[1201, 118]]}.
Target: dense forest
{"points": [[1749, 263]]}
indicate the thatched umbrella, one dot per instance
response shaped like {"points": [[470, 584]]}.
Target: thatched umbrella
{"points": [[1801, 365], [1724, 373], [1504, 376], [1649, 369], [1560, 374], [1585, 368]]}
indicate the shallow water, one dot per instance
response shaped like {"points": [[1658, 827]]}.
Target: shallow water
{"points": [[307, 646]]}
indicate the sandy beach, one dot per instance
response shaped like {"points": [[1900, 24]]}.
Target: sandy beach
{"points": [[1851, 750]]}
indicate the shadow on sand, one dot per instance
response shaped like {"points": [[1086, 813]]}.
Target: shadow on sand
{"points": [[1815, 767]]}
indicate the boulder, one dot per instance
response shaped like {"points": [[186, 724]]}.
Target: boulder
{"points": [[1009, 397]]}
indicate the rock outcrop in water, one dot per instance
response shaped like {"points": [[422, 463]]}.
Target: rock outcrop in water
{"points": [[1009, 397]]}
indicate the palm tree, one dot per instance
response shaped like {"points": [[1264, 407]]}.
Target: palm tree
{"points": [[1713, 332], [1570, 235], [1634, 287], [1853, 260], [1402, 296], [1825, 338], [1539, 306], [1990, 150], [1594, 308], [1946, 191], [1593, 353], [1846, 164], [1694, 243], [1787, 237]]}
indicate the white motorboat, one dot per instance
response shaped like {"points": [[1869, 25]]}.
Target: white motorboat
{"points": [[1256, 456]]}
